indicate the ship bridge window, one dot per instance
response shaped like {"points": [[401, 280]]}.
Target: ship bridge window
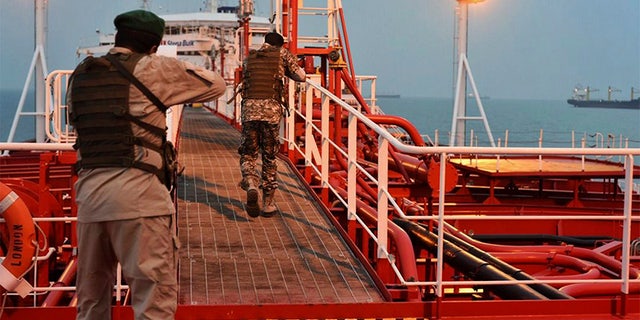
{"points": [[227, 9], [190, 29], [172, 30]]}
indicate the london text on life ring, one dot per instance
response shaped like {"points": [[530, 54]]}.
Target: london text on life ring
{"points": [[21, 247]]}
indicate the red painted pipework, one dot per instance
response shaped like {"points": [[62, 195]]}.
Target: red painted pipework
{"points": [[403, 123], [406, 256], [415, 167], [582, 253], [351, 85], [546, 258], [362, 189], [588, 270], [346, 41], [373, 194], [67, 277], [578, 290], [542, 252], [591, 274]]}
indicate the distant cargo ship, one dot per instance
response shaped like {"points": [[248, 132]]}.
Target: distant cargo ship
{"points": [[581, 99]]}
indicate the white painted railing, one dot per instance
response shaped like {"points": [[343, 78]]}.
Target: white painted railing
{"points": [[317, 158], [58, 128]]}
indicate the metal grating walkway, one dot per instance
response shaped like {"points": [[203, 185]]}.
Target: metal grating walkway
{"points": [[229, 258]]}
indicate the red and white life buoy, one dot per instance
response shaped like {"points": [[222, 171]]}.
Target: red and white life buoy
{"points": [[21, 246]]}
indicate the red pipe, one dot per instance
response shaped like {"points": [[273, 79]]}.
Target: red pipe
{"points": [[578, 290], [67, 277], [402, 123], [403, 161], [363, 190], [245, 34], [591, 274], [406, 255], [545, 258], [588, 270], [351, 85], [293, 41], [574, 290], [582, 253], [372, 193], [346, 43]]}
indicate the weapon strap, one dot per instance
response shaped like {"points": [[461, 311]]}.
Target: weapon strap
{"points": [[136, 82]]}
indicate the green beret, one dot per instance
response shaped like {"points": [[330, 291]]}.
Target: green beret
{"points": [[140, 20]]}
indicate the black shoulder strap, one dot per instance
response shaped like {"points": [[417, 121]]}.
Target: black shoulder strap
{"points": [[136, 82]]}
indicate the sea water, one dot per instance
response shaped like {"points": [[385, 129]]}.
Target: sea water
{"points": [[521, 123], [517, 123], [9, 100]]}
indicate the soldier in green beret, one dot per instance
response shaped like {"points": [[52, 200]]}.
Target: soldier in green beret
{"points": [[125, 211]]}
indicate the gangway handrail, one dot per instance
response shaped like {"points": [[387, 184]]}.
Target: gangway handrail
{"points": [[313, 154], [468, 150]]}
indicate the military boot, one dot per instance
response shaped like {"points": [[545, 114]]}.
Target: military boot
{"points": [[268, 203], [253, 207]]}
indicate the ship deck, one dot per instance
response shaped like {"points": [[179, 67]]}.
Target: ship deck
{"points": [[229, 258], [549, 166]]}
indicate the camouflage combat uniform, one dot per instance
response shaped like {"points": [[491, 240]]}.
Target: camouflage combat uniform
{"points": [[261, 128]]}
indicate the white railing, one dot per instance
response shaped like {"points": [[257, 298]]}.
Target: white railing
{"points": [[317, 159], [57, 121], [57, 126], [60, 134]]}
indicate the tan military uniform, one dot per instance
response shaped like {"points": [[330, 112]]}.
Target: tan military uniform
{"points": [[125, 214]]}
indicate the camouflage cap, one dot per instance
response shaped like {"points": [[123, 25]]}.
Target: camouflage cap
{"points": [[140, 20]]}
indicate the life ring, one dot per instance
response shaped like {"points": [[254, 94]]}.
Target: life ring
{"points": [[22, 244]]}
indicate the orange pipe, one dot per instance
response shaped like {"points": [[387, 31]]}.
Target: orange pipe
{"points": [[67, 276], [346, 43], [578, 290]]}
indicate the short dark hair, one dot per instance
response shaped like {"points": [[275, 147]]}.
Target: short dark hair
{"points": [[274, 39]]}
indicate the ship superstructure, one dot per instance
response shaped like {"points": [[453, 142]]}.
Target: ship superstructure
{"points": [[207, 38]]}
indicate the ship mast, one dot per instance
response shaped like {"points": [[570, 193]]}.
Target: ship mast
{"points": [[458, 124], [244, 16], [211, 6], [39, 68], [458, 134]]}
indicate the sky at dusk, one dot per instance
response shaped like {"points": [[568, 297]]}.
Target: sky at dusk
{"points": [[523, 49]]}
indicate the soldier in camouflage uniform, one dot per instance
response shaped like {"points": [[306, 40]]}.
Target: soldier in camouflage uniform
{"points": [[262, 109]]}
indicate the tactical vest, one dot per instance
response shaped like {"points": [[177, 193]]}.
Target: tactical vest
{"points": [[261, 79], [101, 117]]}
